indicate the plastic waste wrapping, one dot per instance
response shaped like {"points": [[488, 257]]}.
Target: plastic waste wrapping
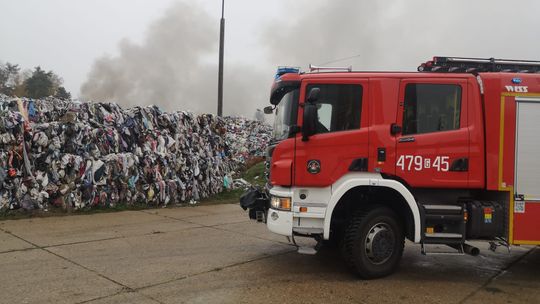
{"points": [[76, 155]]}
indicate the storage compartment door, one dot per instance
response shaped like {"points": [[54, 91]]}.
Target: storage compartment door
{"points": [[528, 148], [527, 183]]}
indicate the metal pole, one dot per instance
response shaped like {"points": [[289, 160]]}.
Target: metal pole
{"points": [[221, 46]]}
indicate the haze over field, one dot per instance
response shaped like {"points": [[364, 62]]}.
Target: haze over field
{"points": [[173, 63]]}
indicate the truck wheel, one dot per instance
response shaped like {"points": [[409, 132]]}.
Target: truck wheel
{"points": [[373, 242], [335, 240]]}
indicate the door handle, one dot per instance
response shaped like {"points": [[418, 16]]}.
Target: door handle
{"points": [[460, 165], [407, 139], [395, 129]]}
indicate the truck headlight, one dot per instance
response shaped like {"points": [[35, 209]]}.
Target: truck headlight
{"points": [[280, 203]]}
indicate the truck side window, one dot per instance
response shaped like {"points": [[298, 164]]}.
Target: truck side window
{"points": [[431, 108], [339, 107]]}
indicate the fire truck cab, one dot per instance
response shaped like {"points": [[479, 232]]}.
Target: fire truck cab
{"points": [[445, 155]]}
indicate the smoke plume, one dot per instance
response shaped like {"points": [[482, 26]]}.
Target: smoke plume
{"points": [[175, 65], [171, 68], [399, 34]]}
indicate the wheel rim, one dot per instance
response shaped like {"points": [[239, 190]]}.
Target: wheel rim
{"points": [[379, 243]]}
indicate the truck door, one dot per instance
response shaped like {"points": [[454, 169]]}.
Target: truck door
{"points": [[341, 142], [432, 149]]}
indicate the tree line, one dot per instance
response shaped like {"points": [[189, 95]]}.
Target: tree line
{"points": [[36, 83]]}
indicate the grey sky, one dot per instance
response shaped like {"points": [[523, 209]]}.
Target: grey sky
{"points": [[67, 36]]}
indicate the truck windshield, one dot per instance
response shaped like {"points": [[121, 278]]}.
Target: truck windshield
{"points": [[286, 112]]}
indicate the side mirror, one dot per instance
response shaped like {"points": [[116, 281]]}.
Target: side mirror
{"points": [[313, 95], [268, 110], [309, 126]]}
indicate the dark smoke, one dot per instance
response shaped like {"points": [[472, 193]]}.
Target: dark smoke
{"points": [[171, 69]]}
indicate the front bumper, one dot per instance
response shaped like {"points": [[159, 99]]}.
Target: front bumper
{"points": [[280, 222], [306, 222]]}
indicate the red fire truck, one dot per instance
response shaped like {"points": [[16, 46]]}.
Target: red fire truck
{"points": [[442, 156]]}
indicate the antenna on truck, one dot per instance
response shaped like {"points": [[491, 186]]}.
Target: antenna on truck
{"points": [[476, 65], [313, 68]]}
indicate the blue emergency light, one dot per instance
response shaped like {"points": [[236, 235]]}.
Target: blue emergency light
{"points": [[286, 70]]}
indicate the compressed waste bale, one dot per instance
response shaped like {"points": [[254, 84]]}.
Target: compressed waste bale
{"points": [[75, 155]]}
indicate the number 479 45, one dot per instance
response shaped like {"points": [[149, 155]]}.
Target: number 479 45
{"points": [[419, 163]]}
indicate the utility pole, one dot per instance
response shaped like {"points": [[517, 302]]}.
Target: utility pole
{"points": [[221, 46]]}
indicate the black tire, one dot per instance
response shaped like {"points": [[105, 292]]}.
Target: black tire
{"points": [[373, 242], [335, 240]]}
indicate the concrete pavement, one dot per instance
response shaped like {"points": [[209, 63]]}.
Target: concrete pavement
{"points": [[214, 254]]}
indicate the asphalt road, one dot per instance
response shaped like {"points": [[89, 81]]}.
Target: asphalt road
{"points": [[213, 254]]}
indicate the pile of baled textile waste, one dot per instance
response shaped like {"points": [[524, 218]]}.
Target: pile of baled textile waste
{"points": [[76, 155]]}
